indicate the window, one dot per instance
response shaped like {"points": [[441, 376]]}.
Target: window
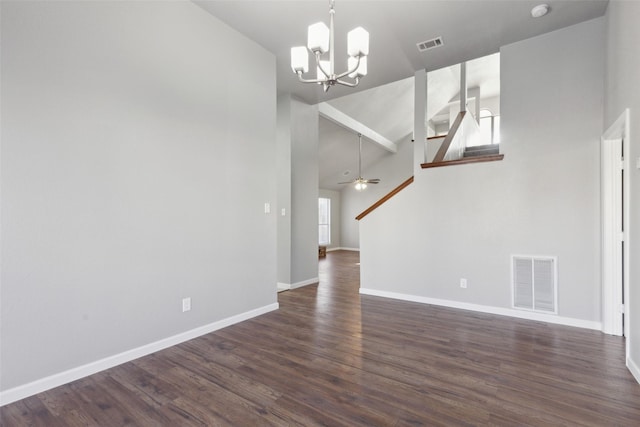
{"points": [[489, 127], [324, 221]]}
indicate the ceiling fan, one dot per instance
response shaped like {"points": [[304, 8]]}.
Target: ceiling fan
{"points": [[360, 182]]}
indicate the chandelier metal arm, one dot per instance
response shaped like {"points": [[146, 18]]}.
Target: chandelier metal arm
{"points": [[303, 80], [346, 73], [336, 81], [354, 84]]}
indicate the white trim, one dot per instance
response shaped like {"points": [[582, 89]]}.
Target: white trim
{"points": [[634, 369], [281, 287], [621, 128], [611, 202], [56, 380], [343, 249], [304, 283], [528, 315]]}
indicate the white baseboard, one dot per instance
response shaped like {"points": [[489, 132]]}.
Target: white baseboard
{"points": [[528, 315], [47, 383], [288, 286], [304, 283], [283, 286], [344, 249], [634, 369]]}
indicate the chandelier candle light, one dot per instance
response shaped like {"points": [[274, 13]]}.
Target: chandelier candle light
{"points": [[320, 41]]}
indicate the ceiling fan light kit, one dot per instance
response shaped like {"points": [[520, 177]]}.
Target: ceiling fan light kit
{"points": [[320, 40]]}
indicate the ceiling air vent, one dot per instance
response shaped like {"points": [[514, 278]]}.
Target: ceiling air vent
{"points": [[430, 44]]}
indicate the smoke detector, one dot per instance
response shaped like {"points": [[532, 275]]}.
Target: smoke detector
{"points": [[540, 10]]}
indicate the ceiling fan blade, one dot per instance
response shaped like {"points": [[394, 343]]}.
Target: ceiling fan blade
{"points": [[360, 180]]}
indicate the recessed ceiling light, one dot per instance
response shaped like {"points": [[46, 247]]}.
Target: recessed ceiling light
{"points": [[540, 10]]}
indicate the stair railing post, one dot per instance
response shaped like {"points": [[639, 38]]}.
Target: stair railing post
{"points": [[419, 120], [463, 87]]}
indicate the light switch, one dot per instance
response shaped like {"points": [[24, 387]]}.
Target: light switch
{"points": [[267, 208], [283, 212]]}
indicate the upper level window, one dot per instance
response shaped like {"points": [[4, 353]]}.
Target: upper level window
{"points": [[324, 221], [489, 127]]}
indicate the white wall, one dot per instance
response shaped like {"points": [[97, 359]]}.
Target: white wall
{"points": [[135, 169], [542, 199], [621, 92], [392, 170], [335, 226]]}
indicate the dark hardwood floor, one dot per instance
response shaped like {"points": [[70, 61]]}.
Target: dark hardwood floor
{"points": [[332, 357]]}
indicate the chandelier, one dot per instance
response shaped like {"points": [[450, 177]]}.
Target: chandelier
{"points": [[319, 42]]}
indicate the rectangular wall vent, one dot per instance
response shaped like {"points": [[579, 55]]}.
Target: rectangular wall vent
{"points": [[430, 44], [534, 283]]}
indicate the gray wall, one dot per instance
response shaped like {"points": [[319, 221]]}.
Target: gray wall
{"points": [[392, 170], [304, 192], [621, 91], [135, 169], [283, 168], [297, 169], [335, 224], [543, 199]]}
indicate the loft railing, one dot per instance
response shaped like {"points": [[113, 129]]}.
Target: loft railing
{"points": [[465, 131]]}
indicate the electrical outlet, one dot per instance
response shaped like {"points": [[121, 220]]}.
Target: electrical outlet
{"points": [[186, 304], [463, 283]]}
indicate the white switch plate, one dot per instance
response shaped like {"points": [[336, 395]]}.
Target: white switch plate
{"points": [[463, 283], [267, 208], [283, 212], [638, 163], [186, 304]]}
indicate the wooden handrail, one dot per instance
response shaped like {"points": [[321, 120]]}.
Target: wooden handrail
{"points": [[384, 199], [436, 137], [463, 161], [449, 138]]}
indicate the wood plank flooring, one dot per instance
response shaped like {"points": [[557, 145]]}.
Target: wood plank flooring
{"points": [[330, 357]]}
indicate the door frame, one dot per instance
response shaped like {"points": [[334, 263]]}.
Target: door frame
{"points": [[615, 207]]}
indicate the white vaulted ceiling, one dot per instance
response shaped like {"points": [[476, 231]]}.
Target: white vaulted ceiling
{"points": [[469, 28]]}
